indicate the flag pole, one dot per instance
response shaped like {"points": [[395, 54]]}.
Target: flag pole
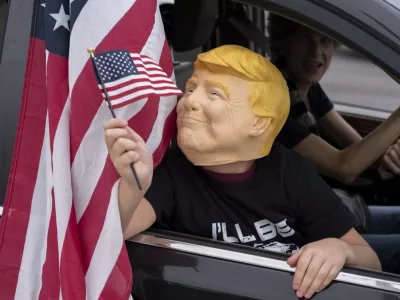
{"points": [[91, 52]]}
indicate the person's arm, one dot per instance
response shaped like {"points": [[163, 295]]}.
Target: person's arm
{"points": [[318, 264], [347, 164], [327, 228], [359, 253], [338, 130], [136, 213], [125, 147]]}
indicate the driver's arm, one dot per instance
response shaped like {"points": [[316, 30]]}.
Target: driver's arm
{"points": [[337, 129], [347, 164]]}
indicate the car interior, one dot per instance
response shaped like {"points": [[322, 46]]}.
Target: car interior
{"points": [[202, 25], [237, 24]]}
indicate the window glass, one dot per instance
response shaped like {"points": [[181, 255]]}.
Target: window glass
{"points": [[353, 80]]}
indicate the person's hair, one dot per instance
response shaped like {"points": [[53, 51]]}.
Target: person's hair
{"points": [[269, 95], [279, 29]]}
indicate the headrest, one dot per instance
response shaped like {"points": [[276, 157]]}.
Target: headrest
{"points": [[193, 23]]}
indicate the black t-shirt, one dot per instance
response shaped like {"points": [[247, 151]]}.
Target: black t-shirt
{"points": [[293, 132], [319, 101], [283, 206]]}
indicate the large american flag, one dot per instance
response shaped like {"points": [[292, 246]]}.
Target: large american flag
{"points": [[61, 235]]}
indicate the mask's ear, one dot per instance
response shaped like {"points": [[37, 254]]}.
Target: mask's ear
{"points": [[260, 125]]}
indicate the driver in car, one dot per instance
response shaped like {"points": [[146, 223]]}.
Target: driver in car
{"points": [[228, 180], [304, 56]]}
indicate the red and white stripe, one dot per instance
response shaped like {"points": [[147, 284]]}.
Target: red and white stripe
{"points": [[61, 230]]}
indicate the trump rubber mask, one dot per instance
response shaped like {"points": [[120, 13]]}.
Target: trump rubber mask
{"points": [[234, 105]]}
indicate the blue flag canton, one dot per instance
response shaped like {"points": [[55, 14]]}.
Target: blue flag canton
{"points": [[114, 65]]}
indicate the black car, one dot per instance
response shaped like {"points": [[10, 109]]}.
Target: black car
{"points": [[168, 265]]}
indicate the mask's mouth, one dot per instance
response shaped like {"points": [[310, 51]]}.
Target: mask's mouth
{"points": [[189, 120]]}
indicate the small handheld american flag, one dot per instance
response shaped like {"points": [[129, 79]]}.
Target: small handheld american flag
{"points": [[125, 77], [129, 77]]}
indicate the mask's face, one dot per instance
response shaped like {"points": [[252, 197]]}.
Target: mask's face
{"points": [[214, 118]]}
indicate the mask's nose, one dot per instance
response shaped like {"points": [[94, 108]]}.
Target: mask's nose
{"points": [[191, 101]]}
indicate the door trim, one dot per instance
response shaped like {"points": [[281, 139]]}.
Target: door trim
{"points": [[362, 111], [256, 260]]}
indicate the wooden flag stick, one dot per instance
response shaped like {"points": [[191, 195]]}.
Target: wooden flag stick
{"points": [[96, 69]]}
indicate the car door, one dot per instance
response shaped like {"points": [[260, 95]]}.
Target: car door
{"points": [[168, 265]]}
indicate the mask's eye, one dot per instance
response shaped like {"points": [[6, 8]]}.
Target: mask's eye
{"points": [[214, 94], [188, 91]]}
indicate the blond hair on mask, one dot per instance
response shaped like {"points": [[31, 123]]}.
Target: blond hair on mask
{"points": [[269, 95]]}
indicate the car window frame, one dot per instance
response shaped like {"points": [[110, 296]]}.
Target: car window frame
{"points": [[12, 75]]}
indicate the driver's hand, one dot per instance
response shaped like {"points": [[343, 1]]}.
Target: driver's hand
{"points": [[390, 163]]}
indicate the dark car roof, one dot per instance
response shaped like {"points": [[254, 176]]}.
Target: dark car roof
{"points": [[380, 16]]}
